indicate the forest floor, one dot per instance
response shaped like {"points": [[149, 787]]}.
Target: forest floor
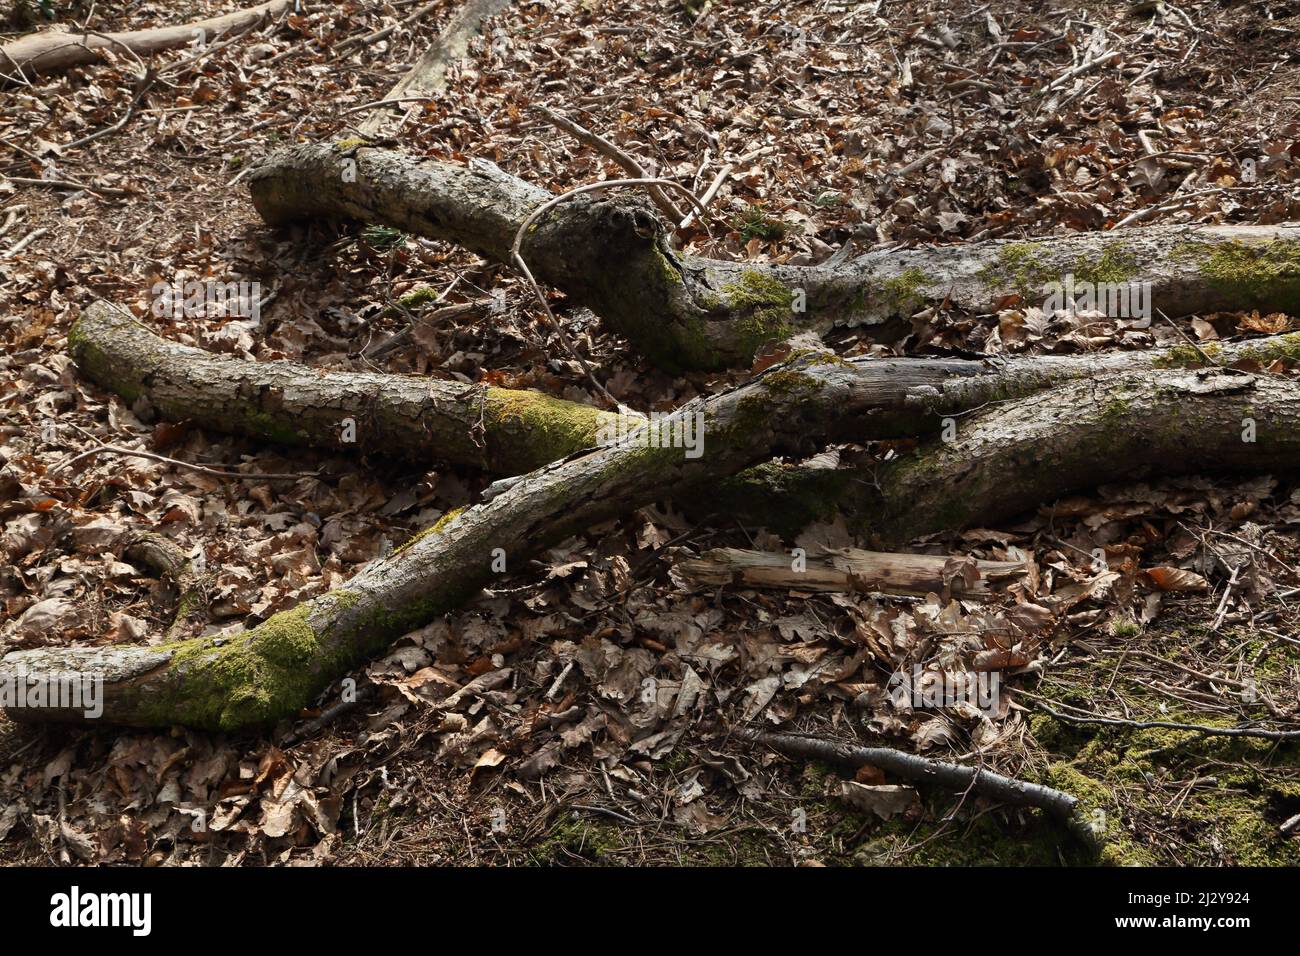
{"points": [[882, 123]]}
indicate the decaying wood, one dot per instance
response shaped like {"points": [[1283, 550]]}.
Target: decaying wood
{"points": [[1124, 426], [54, 50], [277, 667], [689, 312], [849, 569], [1062, 806], [505, 431], [512, 431]]}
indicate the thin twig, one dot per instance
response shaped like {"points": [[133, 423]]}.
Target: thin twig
{"points": [[605, 147], [1188, 340], [1170, 725], [203, 469]]}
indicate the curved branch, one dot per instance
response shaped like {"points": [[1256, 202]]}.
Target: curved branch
{"points": [[691, 312]]}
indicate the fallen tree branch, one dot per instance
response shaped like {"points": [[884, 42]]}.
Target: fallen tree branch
{"points": [[511, 431], [505, 431], [690, 312], [1080, 434], [847, 569], [276, 668], [54, 51], [1062, 806]]}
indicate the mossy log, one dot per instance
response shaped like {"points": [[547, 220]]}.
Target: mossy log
{"points": [[52, 51], [513, 431], [504, 431], [998, 465], [610, 253]]}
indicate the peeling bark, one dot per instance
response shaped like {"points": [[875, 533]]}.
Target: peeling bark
{"points": [[612, 255]]}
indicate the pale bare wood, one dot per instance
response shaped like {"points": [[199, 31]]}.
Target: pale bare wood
{"points": [[847, 569], [428, 77]]}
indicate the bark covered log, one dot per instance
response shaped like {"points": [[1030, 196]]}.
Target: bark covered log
{"points": [[54, 50], [274, 669], [612, 255], [513, 431], [505, 431], [1081, 434]]}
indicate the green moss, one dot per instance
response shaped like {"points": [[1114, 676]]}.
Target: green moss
{"points": [[1263, 276], [1139, 777], [349, 143], [1124, 627], [671, 274], [905, 293], [260, 676], [574, 836], [434, 528], [1285, 348], [271, 427], [753, 223], [789, 382], [991, 839], [764, 306], [420, 295], [1187, 356], [531, 429], [780, 497], [98, 366], [1021, 267], [1113, 267]]}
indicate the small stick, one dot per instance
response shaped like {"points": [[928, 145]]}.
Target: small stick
{"points": [[25, 241], [951, 776], [1186, 338], [11, 216], [203, 469], [68, 184], [709, 193], [1085, 67], [1170, 725]]}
